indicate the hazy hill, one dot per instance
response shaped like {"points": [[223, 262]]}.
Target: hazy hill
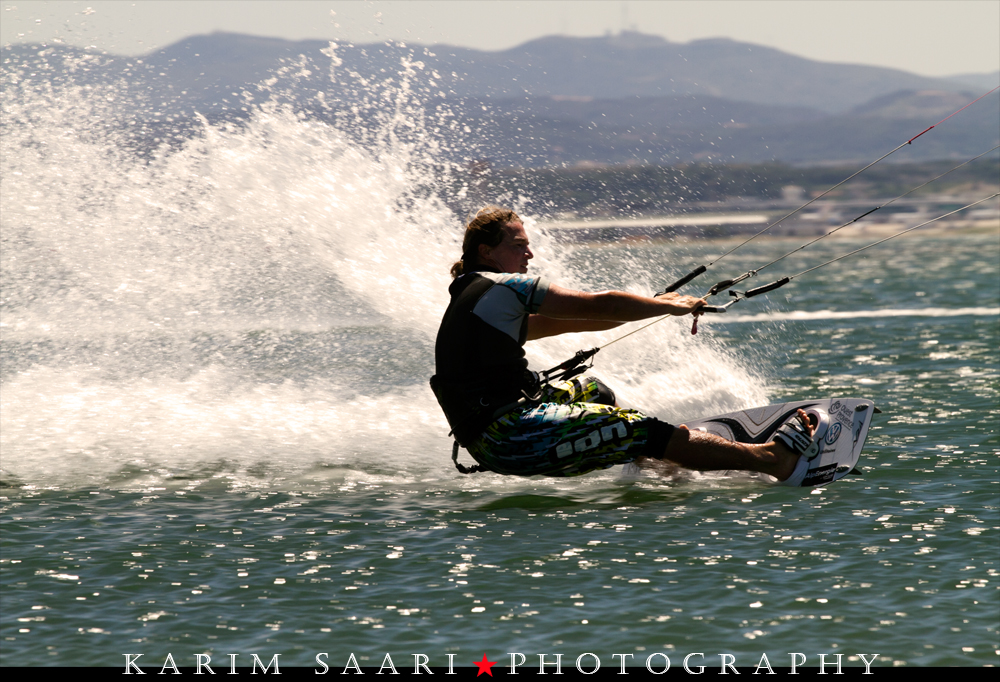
{"points": [[636, 64], [613, 99], [608, 67], [668, 130], [979, 81]]}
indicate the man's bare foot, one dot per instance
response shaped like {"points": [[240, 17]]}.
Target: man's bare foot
{"points": [[788, 459]]}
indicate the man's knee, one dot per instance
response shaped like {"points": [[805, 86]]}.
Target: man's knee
{"points": [[679, 438]]}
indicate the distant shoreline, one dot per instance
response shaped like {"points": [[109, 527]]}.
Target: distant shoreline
{"points": [[958, 228]]}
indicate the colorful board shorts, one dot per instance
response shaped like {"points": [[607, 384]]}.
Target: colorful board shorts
{"points": [[574, 430]]}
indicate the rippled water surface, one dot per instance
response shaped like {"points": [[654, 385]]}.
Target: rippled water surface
{"points": [[286, 520]]}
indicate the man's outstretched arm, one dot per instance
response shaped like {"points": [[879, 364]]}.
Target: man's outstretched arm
{"points": [[567, 310], [540, 326]]}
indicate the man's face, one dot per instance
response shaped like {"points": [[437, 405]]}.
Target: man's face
{"points": [[512, 253]]}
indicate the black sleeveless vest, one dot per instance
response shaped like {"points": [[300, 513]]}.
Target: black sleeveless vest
{"points": [[480, 369]]}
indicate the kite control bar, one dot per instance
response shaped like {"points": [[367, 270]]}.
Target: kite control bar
{"points": [[737, 296], [685, 279]]}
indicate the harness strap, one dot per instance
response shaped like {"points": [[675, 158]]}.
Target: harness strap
{"points": [[570, 368], [475, 468]]}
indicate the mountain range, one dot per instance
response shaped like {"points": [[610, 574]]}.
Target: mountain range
{"points": [[625, 98]]}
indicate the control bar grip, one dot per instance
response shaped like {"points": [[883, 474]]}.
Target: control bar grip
{"points": [[767, 287], [685, 279]]}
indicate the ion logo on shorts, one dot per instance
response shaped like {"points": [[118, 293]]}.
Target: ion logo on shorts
{"points": [[592, 439]]}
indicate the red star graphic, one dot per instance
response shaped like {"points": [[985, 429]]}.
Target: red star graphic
{"points": [[485, 665]]}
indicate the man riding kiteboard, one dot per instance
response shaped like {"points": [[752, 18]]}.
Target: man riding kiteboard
{"points": [[511, 423]]}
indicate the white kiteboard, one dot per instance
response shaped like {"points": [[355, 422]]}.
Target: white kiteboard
{"points": [[842, 428]]}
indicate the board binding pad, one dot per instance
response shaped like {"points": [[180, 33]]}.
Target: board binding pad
{"points": [[842, 430]]}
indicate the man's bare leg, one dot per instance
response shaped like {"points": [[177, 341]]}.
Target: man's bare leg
{"points": [[706, 452]]}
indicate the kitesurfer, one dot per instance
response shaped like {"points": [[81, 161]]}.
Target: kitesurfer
{"points": [[510, 423]]}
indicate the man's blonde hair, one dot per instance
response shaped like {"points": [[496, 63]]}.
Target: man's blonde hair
{"points": [[485, 228]]}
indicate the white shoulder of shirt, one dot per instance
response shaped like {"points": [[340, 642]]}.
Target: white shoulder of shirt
{"points": [[504, 307]]}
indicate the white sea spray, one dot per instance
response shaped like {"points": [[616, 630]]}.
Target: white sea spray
{"points": [[147, 293]]}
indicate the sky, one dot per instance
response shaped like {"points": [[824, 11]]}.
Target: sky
{"points": [[927, 37]]}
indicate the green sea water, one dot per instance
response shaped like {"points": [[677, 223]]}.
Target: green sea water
{"points": [[276, 489]]}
